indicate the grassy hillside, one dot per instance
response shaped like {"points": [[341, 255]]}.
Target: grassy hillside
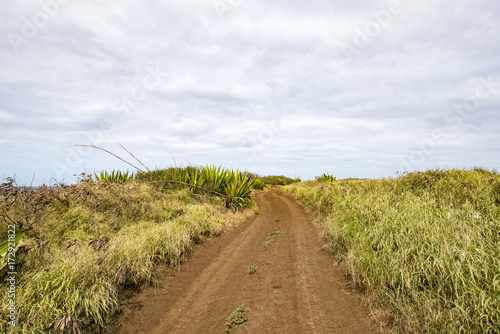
{"points": [[426, 246], [84, 244]]}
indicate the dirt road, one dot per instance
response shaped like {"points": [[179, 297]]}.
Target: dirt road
{"points": [[295, 290]]}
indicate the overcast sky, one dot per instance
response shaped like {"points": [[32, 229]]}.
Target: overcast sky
{"points": [[356, 89]]}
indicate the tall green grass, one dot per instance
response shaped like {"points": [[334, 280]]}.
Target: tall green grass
{"points": [[425, 245], [86, 244]]}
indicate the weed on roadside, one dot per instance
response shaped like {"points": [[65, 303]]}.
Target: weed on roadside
{"points": [[253, 269], [238, 317], [271, 239]]}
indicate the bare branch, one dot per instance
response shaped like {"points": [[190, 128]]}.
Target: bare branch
{"points": [[102, 149], [133, 156]]}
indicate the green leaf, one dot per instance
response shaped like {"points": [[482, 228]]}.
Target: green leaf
{"points": [[4, 248]]}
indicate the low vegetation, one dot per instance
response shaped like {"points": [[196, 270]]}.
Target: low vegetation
{"points": [[425, 245], [273, 180], [114, 176], [271, 239], [238, 317], [253, 269], [326, 177], [234, 185], [82, 246]]}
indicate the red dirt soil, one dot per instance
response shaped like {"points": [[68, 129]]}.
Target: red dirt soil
{"points": [[298, 288]]}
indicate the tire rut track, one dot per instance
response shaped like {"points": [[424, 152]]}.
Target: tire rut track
{"points": [[295, 290]]}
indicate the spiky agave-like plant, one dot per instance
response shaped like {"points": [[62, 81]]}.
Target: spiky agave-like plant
{"points": [[114, 176]]}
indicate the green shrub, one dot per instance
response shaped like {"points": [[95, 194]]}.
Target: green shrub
{"points": [[259, 184], [278, 180], [326, 177], [235, 185]]}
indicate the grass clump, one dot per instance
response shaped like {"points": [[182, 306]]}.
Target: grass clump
{"points": [[253, 269], [85, 244], [425, 244], [238, 317]]}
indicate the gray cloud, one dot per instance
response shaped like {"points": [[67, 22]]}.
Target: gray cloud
{"points": [[174, 80]]}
